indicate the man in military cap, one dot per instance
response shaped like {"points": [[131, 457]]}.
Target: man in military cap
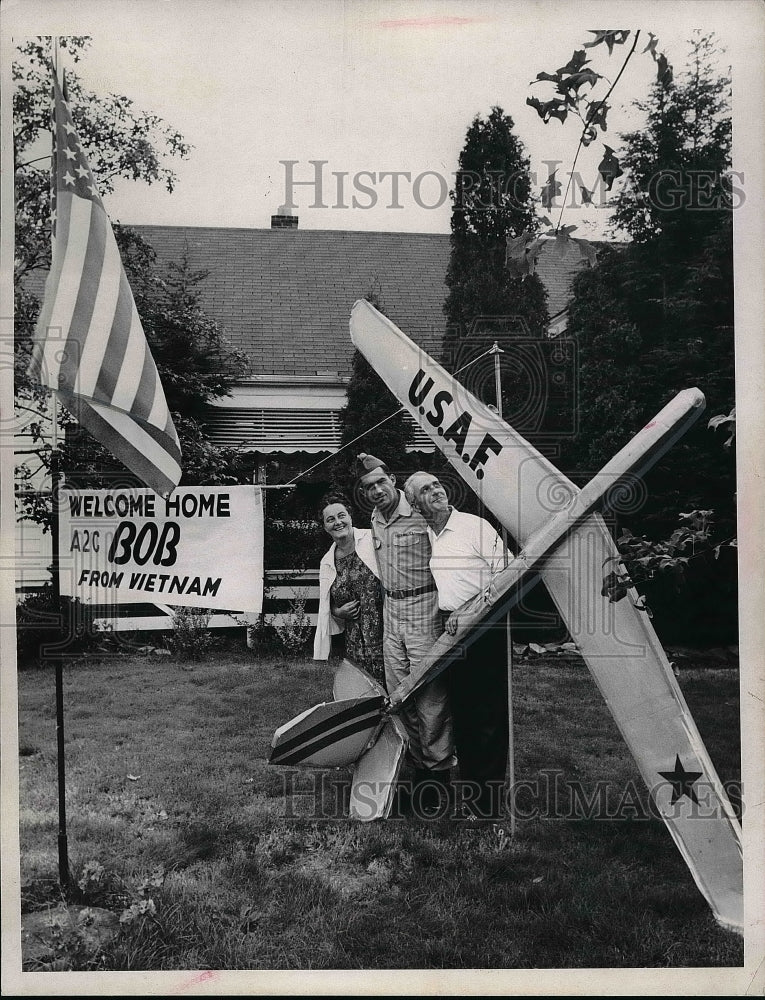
{"points": [[411, 622]]}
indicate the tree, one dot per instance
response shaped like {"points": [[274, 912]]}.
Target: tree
{"points": [[678, 163], [120, 141], [489, 297], [194, 362], [609, 409], [656, 316], [492, 194], [370, 420], [491, 201]]}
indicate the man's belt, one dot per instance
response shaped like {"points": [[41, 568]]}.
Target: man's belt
{"points": [[398, 594]]}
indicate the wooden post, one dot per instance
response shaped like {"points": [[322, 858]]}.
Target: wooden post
{"points": [[258, 479]]}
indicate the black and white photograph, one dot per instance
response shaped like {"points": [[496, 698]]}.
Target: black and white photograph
{"points": [[382, 511]]}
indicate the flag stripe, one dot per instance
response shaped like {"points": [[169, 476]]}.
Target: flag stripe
{"points": [[165, 438], [146, 391], [159, 413], [115, 344], [156, 463], [104, 308], [68, 285], [63, 205], [169, 429], [126, 387], [83, 308]]}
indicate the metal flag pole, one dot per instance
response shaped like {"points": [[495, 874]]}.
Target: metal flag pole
{"points": [[56, 657], [510, 773]]}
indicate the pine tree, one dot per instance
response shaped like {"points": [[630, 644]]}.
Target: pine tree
{"points": [[492, 195], [370, 421], [491, 201], [656, 316], [490, 298], [677, 163]]}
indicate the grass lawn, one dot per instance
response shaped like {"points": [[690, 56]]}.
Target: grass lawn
{"points": [[249, 866]]}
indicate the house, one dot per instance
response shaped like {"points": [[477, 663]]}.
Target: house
{"points": [[284, 296]]}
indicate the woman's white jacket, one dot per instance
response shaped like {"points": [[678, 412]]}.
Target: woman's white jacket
{"points": [[326, 624]]}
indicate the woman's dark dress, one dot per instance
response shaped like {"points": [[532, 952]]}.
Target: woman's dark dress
{"points": [[355, 581]]}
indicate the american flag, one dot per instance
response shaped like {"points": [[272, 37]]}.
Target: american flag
{"points": [[89, 344]]}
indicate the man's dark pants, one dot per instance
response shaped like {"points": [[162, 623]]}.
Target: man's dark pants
{"points": [[477, 686]]}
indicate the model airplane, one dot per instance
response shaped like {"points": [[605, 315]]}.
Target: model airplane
{"points": [[567, 550]]}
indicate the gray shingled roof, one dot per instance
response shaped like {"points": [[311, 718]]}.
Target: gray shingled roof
{"points": [[285, 296]]}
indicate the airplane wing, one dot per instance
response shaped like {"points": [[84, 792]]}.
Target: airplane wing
{"points": [[633, 674], [525, 490], [353, 730], [351, 681], [376, 772], [332, 734], [377, 769]]}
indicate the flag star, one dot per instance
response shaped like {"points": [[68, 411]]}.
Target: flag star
{"points": [[69, 153], [82, 171], [68, 128], [68, 178], [92, 190], [682, 781]]}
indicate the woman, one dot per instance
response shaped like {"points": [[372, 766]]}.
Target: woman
{"points": [[350, 595]]}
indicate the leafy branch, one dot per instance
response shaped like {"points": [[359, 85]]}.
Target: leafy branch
{"points": [[720, 420], [596, 114], [568, 99], [644, 559]]}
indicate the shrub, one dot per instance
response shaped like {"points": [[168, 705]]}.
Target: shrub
{"points": [[295, 630], [42, 628], [190, 639], [293, 543], [261, 636], [687, 581]]}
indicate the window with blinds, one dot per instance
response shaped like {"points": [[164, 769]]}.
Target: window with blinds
{"points": [[286, 431]]}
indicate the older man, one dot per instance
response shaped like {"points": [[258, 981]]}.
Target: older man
{"points": [[411, 623], [466, 552]]}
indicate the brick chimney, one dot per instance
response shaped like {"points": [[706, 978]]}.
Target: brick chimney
{"points": [[284, 219]]}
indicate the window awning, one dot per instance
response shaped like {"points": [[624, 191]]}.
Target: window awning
{"points": [[285, 431]]}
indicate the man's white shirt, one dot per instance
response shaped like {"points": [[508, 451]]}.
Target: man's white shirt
{"points": [[466, 554]]}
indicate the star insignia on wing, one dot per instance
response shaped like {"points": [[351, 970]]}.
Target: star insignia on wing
{"points": [[682, 781]]}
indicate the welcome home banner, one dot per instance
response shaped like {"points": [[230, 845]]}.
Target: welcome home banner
{"points": [[199, 547]]}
